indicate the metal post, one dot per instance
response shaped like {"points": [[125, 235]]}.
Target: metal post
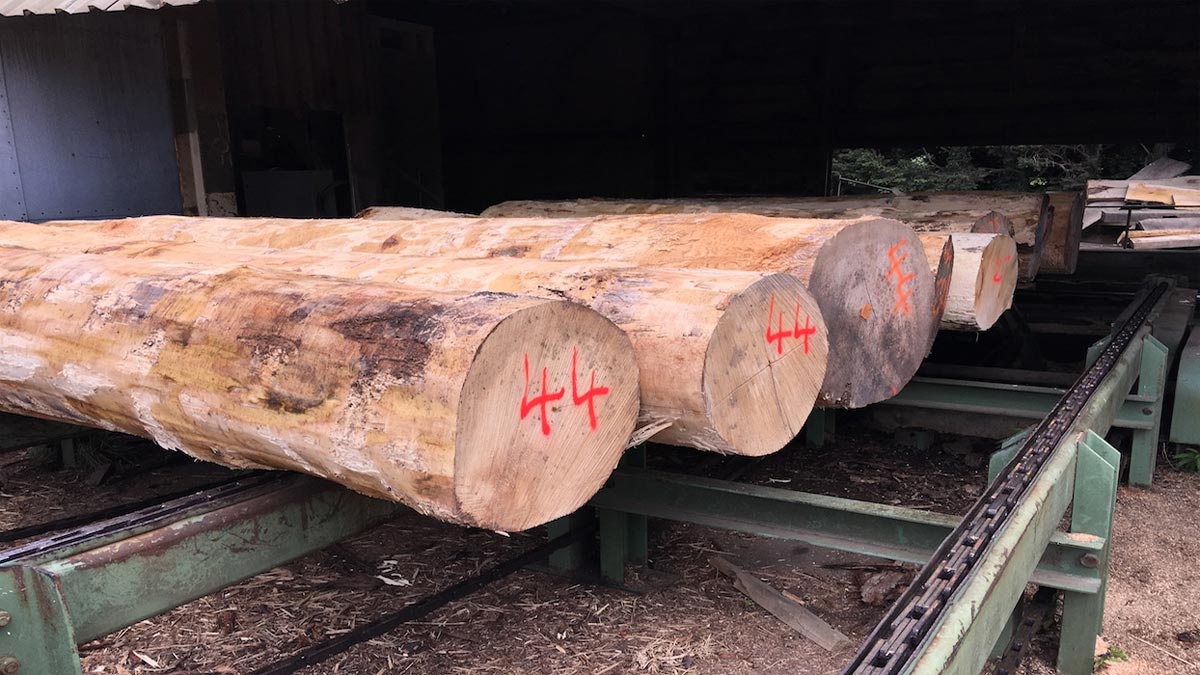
{"points": [[623, 535], [638, 544], [1151, 383], [569, 559], [614, 545], [1096, 473], [820, 428]]}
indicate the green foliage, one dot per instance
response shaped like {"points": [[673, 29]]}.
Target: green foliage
{"points": [[1187, 459], [907, 171], [1112, 655], [996, 167]]}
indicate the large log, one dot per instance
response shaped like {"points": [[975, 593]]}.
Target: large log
{"points": [[455, 404], [869, 276], [1028, 213], [729, 361], [983, 279], [1060, 251]]}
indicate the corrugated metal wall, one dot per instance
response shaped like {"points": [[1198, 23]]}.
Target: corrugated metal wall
{"points": [[85, 123]]}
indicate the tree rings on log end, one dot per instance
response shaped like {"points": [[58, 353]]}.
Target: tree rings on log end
{"points": [[545, 413], [875, 289], [764, 365], [996, 279]]}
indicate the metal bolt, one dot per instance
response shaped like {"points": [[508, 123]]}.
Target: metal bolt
{"points": [[9, 665], [1089, 560], [1147, 411], [5, 619]]}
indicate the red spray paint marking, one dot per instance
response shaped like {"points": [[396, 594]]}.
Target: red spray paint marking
{"points": [[589, 395], [805, 332], [778, 336], [997, 277], [540, 400], [902, 293]]}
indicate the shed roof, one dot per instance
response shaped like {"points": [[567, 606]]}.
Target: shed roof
{"points": [[26, 7]]}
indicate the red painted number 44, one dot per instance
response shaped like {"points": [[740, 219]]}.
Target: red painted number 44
{"points": [[796, 331], [541, 400]]}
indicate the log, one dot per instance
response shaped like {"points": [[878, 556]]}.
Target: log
{"points": [[993, 222], [432, 399], [1028, 212], [407, 213], [939, 252], [708, 371], [982, 283], [869, 276], [1060, 252]]}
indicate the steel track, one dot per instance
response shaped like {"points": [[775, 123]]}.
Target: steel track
{"points": [[904, 629]]}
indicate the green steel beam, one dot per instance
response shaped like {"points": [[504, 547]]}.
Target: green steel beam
{"points": [[964, 636], [1096, 474], [90, 589], [1151, 382], [879, 530], [820, 427], [1010, 400], [1185, 416]]}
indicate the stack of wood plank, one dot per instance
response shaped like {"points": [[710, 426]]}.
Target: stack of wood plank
{"points": [[1153, 213], [486, 371]]}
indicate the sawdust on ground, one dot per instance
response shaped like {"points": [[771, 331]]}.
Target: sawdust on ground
{"points": [[691, 620]]}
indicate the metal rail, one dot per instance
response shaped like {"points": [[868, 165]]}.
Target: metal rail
{"points": [[385, 624], [907, 626], [159, 504]]}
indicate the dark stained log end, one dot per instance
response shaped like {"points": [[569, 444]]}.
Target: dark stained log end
{"points": [[876, 291]]}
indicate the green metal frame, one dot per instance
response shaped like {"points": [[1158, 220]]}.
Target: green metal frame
{"points": [[1082, 472], [1079, 471], [1141, 411], [1185, 416], [77, 594], [820, 427], [879, 530]]}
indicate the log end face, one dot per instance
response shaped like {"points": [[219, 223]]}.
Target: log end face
{"points": [[545, 413], [942, 281], [876, 292], [996, 280], [765, 364]]}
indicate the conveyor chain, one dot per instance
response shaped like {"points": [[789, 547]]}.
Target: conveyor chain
{"points": [[899, 636]]}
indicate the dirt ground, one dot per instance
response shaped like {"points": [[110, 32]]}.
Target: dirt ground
{"points": [[694, 621]]}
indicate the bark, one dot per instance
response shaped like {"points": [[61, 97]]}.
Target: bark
{"points": [[410, 396], [939, 252], [1060, 251]]}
